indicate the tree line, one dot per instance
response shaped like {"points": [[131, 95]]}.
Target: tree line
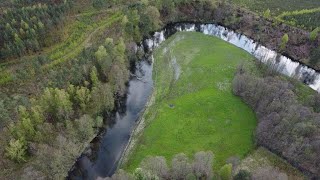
{"points": [[288, 124], [181, 168], [199, 167]]}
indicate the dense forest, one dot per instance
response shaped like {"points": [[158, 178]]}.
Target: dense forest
{"points": [[23, 30], [287, 125], [51, 110]]}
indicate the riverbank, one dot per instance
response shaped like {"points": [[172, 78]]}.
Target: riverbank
{"points": [[192, 110], [265, 31], [137, 132], [166, 117]]}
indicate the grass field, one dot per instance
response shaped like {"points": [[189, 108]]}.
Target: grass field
{"points": [[196, 110]]}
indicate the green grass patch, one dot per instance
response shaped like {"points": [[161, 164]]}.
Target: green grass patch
{"points": [[5, 77], [196, 110]]}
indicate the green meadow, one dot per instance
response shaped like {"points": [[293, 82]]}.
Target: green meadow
{"points": [[194, 108]]}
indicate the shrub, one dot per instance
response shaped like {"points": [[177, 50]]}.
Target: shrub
{"points": [[181, 167], [284, 41], [266, 14], [226, 172], [80, 96], [101, 99], [140, 174], [56, 104], [202, 164], [16, 150], [314, 34], [243, 175], [26, 127], [84, 128], [315, 56], [156, 165]]}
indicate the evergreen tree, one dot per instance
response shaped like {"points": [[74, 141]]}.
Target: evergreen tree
{"points": [[16, 150]]}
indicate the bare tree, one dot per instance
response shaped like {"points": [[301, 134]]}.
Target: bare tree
{"points": [[202, 164], [155, 165], [180, 166], [268, 173]]}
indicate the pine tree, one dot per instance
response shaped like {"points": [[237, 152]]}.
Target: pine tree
{"points": [[314, 34], [16, 150], [284, 41]]}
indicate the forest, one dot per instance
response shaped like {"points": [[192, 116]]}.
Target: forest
{"points": [[65, 68]]}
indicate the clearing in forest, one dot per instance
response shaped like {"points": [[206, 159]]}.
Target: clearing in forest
{"points": [[194, 108]]}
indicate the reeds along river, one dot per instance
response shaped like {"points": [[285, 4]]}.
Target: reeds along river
{"points": [[278, 62], [107, 151]]}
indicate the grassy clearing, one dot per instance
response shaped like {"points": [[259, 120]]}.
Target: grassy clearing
{"points": [[196, 110]]}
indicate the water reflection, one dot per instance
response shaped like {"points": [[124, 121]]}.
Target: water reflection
{"points": [[281, 63], [114, 141]]}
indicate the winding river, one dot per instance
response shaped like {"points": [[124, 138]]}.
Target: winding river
{"points": [[106, 153], [277, 61]]}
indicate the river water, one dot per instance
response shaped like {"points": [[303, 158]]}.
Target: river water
{"points": [[103, 160], [277, 61], [106, 153]]}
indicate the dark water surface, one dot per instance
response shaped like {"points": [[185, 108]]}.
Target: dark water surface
{"points": [[110, 146]]}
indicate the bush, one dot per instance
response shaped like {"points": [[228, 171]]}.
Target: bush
{"points": [[315, 56], [26, 127], [266, 14], [56, 104], [202, 164], [156, 165], [181, 167], [16, 150], [226, 172], [102, 99], [243, 175], [140, 174], [314, 34], [82, 129], [284, 41]]}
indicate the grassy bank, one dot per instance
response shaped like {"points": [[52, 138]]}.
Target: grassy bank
{"points": [[195, 109]]}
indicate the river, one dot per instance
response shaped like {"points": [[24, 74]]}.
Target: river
{"points": [[107, 151]]}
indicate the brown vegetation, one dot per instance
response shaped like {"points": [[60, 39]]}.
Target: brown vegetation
{"points": [[286, 126]]}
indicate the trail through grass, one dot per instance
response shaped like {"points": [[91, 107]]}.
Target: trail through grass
{"points": [[195, 109]]}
